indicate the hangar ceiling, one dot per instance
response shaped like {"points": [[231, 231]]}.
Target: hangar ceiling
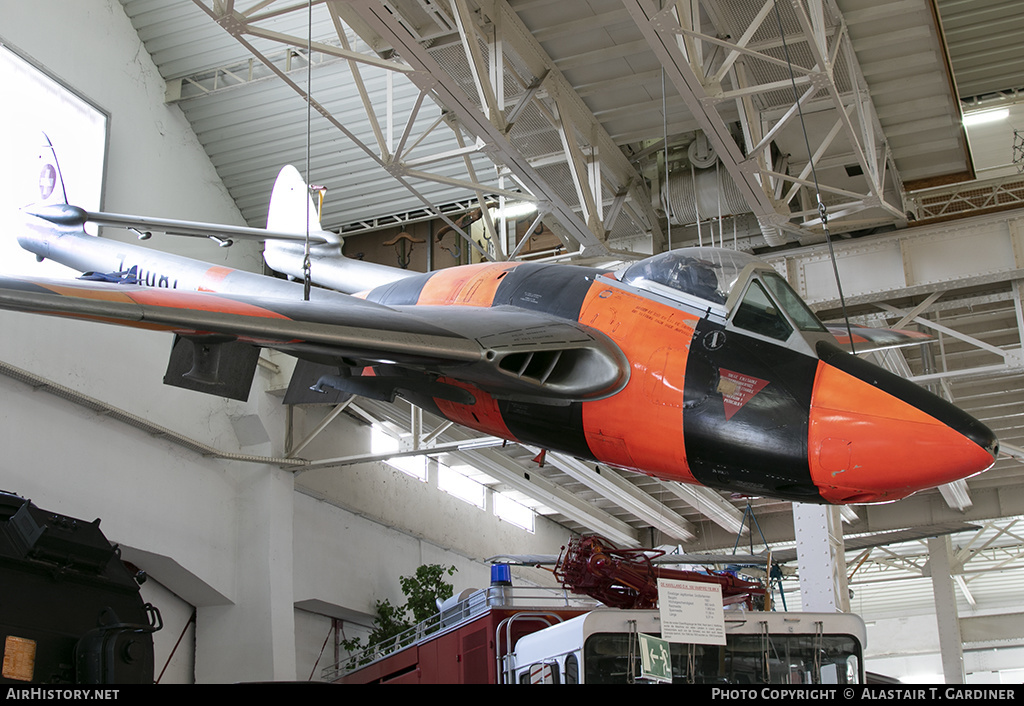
{"points": [[609, 114]]}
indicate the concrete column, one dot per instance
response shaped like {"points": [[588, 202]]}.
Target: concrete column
{"points": [[253, 639], [940, 550], [821, 561]]}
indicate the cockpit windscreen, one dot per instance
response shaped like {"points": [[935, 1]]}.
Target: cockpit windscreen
{"points": [[711, 274]]}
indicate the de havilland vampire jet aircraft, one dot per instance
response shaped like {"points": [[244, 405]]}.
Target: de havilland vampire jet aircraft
{"points": [[698, 365]]}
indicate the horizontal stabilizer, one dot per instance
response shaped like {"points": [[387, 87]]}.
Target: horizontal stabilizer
{"points": [[146, 225], [293, 217]]}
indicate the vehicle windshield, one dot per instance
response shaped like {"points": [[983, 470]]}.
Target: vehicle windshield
{"points": [[706, 273], [791, 302], [609, 658]]}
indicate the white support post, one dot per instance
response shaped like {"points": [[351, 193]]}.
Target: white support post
{"points": [[940, 550], [821, 561]]}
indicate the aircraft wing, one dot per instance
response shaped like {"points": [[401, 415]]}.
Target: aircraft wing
{"points": [[509, 353]]}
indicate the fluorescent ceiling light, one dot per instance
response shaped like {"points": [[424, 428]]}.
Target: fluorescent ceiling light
{"points": [[517, 209], [986, 116]]}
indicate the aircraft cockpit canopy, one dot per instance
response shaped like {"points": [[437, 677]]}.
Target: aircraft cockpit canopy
{"points": [[717, 278], [709, 274]]}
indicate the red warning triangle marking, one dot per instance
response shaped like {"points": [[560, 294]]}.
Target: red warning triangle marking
{"points": [[737, 389]]}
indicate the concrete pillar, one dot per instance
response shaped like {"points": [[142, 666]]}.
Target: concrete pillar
{"points": [[940, 551], [253, 638], [821, 561]]}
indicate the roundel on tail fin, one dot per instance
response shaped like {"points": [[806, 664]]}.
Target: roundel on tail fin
{"points": [[48, 180]]}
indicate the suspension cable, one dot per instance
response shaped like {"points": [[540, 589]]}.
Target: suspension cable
{"points": [[822, 211], [306, 265]]}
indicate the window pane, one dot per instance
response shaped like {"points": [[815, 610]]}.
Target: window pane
{"points": [[453, 482], [510, 511], [759, 314], [745, 659], [798, 311]]}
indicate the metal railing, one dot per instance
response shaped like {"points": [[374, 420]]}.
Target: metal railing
{"points": [[456, 614]]}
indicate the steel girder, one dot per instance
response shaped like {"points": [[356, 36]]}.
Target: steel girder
{"points": [[499, 96], [776, 86]]}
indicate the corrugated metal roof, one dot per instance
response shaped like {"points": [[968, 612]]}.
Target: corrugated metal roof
{"points": [[251, 124], [984, 40]]}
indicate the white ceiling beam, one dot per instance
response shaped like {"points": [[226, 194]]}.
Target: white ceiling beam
{"points": [[678, 40], [612, 485], [711, 504], [534, 485], [239, 27], [495, 463], [479, 68], [430, 76]]}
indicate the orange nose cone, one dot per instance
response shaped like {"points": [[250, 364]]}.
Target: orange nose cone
{"points": [[874, 437]]}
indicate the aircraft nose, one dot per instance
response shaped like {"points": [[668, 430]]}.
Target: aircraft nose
{"points": [[874, 436]]}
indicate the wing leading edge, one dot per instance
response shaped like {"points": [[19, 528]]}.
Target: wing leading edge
{"points": [[506, 352]]}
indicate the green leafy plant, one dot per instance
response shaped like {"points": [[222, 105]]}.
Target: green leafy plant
{"points": [[422, 591]]}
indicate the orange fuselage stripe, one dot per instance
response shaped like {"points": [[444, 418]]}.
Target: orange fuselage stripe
{"points": [[166, 298], [470, 285], [176, 299], [213, 277], [641, 427]]}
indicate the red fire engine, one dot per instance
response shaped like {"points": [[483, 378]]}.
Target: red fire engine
{"points": [[505, 634]]}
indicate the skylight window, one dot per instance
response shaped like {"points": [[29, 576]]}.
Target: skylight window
{"points": [[514, 513], [981, 117], [454, 482], [381, 442]]}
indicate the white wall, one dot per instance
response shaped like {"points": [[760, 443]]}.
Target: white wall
{"points": [[180, 516], [231, 538], [174, 645]]}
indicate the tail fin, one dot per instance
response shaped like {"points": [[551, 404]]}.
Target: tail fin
{"points": [[50, 183], [291, 204], [290, 207]]}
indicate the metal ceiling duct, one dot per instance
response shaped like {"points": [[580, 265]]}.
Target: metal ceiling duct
{"points": [[707, 195], [701, 195], [702, 191]]}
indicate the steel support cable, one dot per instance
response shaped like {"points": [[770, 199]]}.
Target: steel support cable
{"points": [[822, 212], [664, 139], [306, 263]]}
